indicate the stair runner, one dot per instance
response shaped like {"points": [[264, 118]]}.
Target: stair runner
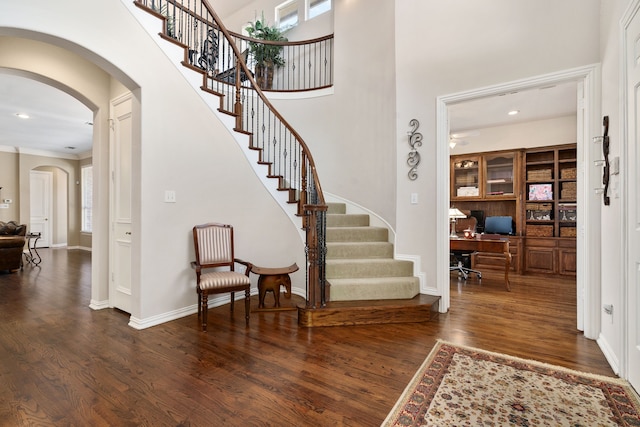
{"points": [[360, 263]]}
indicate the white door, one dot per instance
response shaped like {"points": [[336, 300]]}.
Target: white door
{"points": [[40, 190], [632, 180], [121, 142]]}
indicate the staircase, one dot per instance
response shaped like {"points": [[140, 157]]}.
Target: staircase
{"points": [[366, 285], [360, 264]]}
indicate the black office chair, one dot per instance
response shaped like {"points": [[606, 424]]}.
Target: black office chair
{"points": [[460, 261], [479, 215]]}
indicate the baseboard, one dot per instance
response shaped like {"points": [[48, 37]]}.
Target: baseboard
{"points": [[609, 354], [148, 322], [98, 305], [80, 248]]}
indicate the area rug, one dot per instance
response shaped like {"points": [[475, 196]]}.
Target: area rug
{"points": [[462, 386]]}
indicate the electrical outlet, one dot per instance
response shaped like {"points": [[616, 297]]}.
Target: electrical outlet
{"points": [[414, 198]]}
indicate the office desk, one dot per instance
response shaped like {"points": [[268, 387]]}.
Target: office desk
{"points": [[485, 245]]}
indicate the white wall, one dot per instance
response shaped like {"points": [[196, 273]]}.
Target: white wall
{"points": [[182, 147], [612, 251]]}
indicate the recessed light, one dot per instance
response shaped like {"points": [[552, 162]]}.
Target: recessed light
{"points": [[22, 115], [513, 112]]}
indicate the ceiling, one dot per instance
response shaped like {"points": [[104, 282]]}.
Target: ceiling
{"points": [[61, 124], [58, 123], [533, 104]]}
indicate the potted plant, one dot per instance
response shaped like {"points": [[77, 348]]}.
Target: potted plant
{"points": [[267, 57]]}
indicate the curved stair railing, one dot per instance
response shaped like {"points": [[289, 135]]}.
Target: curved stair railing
{"points": [[221, 57]]}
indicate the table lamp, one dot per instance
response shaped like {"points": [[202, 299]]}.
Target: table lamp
{"points": [[454, 214]]}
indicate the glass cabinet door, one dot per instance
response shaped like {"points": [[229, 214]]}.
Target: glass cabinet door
{"points": [[465, 177], [499, 175]]}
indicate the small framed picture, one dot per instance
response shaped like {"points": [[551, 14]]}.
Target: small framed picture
{"points": [[540, 192]]}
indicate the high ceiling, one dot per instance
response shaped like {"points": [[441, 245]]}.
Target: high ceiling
{"points": [[61, 124]]}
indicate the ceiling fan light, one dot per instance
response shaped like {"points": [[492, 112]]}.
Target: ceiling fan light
{"points": [[513, 112]]}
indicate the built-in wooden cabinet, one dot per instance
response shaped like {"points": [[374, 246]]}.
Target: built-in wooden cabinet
{"points": [[537, 187], [550, 209], [485, 176], [551, 191]]}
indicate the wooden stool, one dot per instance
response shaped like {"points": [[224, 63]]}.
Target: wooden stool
{"points": [[271, 279]]}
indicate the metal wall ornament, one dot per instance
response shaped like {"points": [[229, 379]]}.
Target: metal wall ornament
{"points": [[605, 162], [415, 140]]}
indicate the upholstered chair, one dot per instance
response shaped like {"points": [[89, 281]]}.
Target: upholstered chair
{"points": [[215, 267]]}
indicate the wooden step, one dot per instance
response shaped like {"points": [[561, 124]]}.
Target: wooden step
{"points": [[421, 308]]}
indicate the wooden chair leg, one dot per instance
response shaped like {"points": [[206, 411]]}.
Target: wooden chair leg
{"points": [[199, 301], [247, 305], [205, 309], [233, 295]]}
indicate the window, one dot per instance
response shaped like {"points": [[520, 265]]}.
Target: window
{"points": [[86, 187], [318, 7], [288, 14]]}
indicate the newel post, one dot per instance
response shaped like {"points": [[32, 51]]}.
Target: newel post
{"points": [[316, 249]]}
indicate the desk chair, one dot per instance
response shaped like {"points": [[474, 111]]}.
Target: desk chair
{"points": [[460, 261]]}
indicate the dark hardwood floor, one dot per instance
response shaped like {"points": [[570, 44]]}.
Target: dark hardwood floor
{"points": [[62, 363]]}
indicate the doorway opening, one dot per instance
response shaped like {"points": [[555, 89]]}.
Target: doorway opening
{"points": [[588, 245]]}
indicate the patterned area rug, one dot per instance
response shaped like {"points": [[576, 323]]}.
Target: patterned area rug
{"points": [[459, 386]]}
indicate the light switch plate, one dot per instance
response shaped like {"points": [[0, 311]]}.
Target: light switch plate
{"points": [[169, 196]]}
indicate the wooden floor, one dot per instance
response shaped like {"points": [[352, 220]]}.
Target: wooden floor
{"points": [[62, 363]]}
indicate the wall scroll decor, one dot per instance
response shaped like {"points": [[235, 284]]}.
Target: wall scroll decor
{"points": [[415, 140], [605, 151]]}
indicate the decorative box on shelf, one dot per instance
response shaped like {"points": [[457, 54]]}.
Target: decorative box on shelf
{"points": [[540, 192], [468, 192], [539, 211], [539, 175], [568, 173], [567, 212], [568, 190], [568, 232], [536, 230]]}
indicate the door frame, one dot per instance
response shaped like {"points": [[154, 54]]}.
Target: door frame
{"points": [[628, 291], [588, 247]]}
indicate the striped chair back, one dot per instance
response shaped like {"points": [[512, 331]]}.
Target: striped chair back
{"points": [[214, 244]]}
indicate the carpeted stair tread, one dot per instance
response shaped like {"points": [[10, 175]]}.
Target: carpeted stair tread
{"points": [[359, 250], [368, 288], [385, 267], [347, 220], [357, 234], [336, 208]]}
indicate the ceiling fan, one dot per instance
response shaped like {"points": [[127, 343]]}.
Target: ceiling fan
{"points": [[461, 138]]}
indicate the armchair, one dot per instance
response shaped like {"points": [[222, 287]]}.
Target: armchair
{"points": [[214, 252], [12, 240]]}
